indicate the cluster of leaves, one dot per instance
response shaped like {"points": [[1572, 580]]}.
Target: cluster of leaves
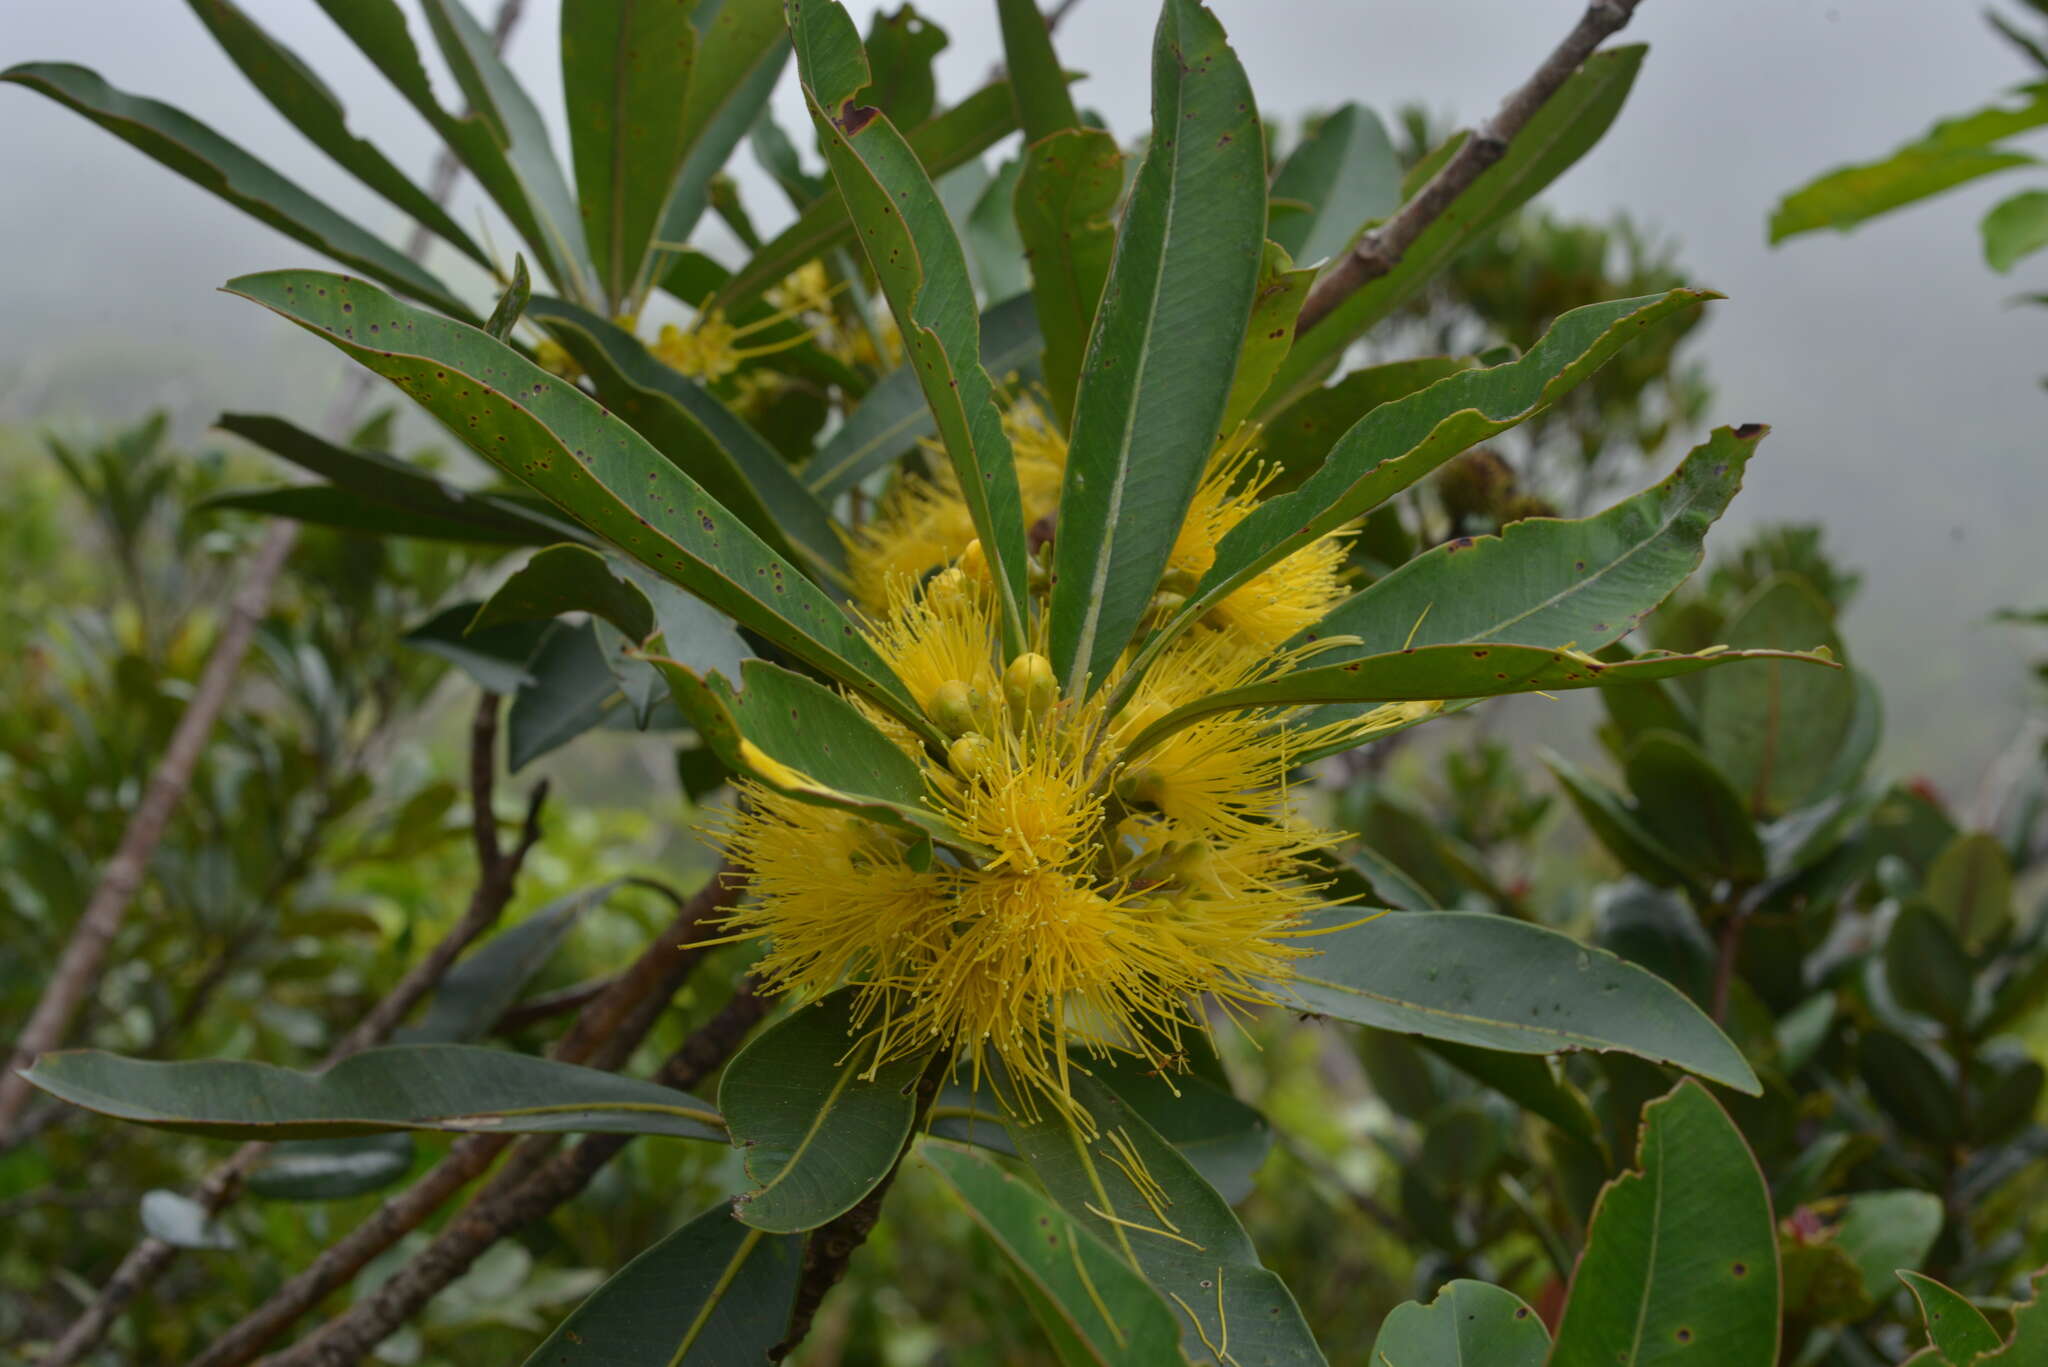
{"points": [[692, 497]]}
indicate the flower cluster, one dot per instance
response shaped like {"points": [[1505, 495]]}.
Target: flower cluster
{"points": [[1095, 894]]}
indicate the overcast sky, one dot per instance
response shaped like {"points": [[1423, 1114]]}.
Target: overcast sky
{"points": [[1903, 391]]}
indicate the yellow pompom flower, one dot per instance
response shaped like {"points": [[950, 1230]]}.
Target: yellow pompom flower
{"points": [[1090, 902]]}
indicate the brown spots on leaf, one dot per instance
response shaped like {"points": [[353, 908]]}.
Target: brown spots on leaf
{"points": [[854, 117]]}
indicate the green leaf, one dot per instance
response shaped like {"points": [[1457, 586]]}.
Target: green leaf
{"points": [[1885, 1230], [1773, 729], [1439, 672], [486, 983], [818, 1123], [378, 29], [713, 1293], [1037, 84], [376, 480], [1496, 983], [1268, 335], [1681, 1256], [1909, 1086], [1225, 1139], [1562, 131], [742, 46], [1956, 1329], [2029, 1341], [1949, 154], [330, 1169], [994, 248], [1469, 1324], [560, 442], [1346, 172], [1925, 966], [923, 271], [1550, 582], [1204, 1263], [894, 416], [2015, 229], [703, 438], [214, 163], [1164, 345], [1970, 885], [1298, 439], [1531, 1083], [901, 47], [1692, 810], [325, 505], [568, 579], [1066, 204], [1398, 443], [960, 134], [496, 97], [401, 1087], [511, 303], [572, 689], [496, 658], [1107, 1309], [623, 63], [299, 94]]}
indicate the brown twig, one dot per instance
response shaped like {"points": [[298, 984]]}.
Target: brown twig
{"points": [[495, 880], [547, 1006], [602, 1033], [78, 968], [509, 1203], [1729, 952], [1379, 251], [832, 1245]]}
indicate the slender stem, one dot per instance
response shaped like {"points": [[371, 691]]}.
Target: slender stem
{"points": [[509, 1203], [1379, 251], [602, 1033], [1724, 964], [148, 1259]]}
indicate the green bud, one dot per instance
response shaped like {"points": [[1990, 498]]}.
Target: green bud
{"points": [[970, 755], [1141, 785], [1029, 686], [957, 707]]}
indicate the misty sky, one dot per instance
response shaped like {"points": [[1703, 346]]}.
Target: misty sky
{"points": [[1903, 391]]}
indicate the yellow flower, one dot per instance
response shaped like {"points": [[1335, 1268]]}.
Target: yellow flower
{"points": [[807, 289], [1095, 912]]}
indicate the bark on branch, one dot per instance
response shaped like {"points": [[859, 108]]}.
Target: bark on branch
{"points": [[1379, 251]]}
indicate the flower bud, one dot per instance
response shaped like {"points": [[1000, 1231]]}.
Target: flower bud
{"points": [[956, 706], [974, 562], [1141, 784], [947, 588], [1029, 686], [970, 755]]}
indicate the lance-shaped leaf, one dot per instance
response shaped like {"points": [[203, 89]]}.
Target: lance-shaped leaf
{"points": [[213, 162], [893, 416], [1547, 582], [1269, 334], [693, 428], [1130, 1189], [1164, 345], [1435, 673], [568, 579], [1529, 1081], [1066, 215], [1044, 106], [499, 100], [1559, 133], [941, 143], [1681, 1255], [817, 1122], [1953, 152], [496, 659], [483, 985], [2015, 228], [741, 48], [1298, 438], [550, 435], [1469, 1324], [296, 92], [1094, 1306], [1398, 443], [400, 1087], [1692, 810], [923, 271], [713, 1293], [1496, 983], [624, 62], [1616, 825], [379, 482], [1345, 174], [806, 742], [325, 505]]}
